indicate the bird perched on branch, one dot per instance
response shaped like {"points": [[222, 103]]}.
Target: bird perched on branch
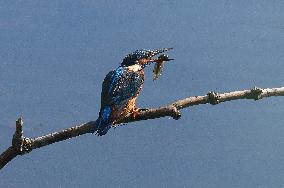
{"points": [[122, 86]]}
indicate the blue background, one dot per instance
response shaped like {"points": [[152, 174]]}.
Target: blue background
{"points": [[54, 56]]}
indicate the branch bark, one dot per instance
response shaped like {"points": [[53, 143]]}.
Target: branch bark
{"points": [[22, 145]]}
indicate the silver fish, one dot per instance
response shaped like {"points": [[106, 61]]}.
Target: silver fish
{"points": [[158, 68]]}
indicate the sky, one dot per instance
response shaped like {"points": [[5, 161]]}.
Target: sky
{"points": [[54, 56]]}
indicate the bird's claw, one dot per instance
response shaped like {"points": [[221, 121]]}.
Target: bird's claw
{"points": [[134, 112]]}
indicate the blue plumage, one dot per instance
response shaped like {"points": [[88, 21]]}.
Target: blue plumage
{"points": [[121, 87], [104, 120]]}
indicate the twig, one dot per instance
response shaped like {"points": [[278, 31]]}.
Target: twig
{"points": [[22, 145]]}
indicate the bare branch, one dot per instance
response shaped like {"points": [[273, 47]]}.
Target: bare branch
{"points": [[22, 145]]}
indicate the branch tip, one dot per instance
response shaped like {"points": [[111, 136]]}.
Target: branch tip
{"points": [[19, 125], [20, 143], [18, 135]]}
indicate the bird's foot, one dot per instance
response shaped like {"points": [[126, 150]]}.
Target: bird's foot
{"points": [[134, 112]]}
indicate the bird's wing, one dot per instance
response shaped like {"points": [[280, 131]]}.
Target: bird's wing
{"points": [[119, 86]]}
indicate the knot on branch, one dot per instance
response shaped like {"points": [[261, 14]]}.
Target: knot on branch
{"points": [[26, 145], [213, 97], [20, 143], [255, 93], [174, 113]]}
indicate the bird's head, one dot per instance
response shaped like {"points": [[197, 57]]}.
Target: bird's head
{"points": [[143, 57]]}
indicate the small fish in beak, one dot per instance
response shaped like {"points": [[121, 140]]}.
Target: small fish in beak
{"points": [[158, 68]]}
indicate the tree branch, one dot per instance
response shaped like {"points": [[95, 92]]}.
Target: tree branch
{"points": [[22, 145]]}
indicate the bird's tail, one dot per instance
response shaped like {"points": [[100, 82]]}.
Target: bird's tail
{"points": [[103, 122]]}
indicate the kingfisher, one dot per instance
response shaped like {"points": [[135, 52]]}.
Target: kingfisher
{"points": [[122, 86]]}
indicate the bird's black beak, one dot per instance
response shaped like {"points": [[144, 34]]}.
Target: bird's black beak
{"points": [[164, 57], [159, 51], [148, 59]]}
